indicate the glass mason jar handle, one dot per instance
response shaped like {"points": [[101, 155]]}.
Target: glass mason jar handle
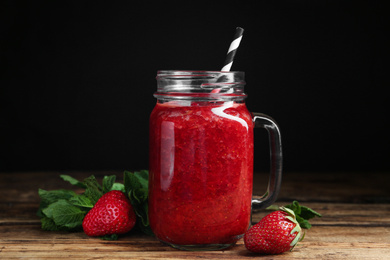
{"points": [[264, 121]]}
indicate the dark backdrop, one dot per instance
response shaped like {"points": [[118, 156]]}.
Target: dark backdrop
{"points": [[77, 78]]}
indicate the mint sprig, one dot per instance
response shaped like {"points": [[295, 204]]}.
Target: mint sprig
{"points": [[93, 190], [64, 214], [65, 209], [72, 181], [136, 188]]}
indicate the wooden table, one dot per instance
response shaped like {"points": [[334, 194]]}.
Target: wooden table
{"points": [[355, 222]]}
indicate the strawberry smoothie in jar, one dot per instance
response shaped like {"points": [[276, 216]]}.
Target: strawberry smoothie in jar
{"points": [[201, 160]]}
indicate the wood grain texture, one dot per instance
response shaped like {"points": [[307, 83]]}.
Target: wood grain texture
{"points": [[355, 222]]}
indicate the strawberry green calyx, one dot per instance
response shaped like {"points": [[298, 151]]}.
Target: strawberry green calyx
{"points": [[303, 214], [297, 228]]}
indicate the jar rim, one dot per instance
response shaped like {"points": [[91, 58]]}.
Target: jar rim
{"points": [[200, 84], [196, 73]]}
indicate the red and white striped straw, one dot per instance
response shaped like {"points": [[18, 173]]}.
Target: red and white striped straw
{"points": [[233, 49]]}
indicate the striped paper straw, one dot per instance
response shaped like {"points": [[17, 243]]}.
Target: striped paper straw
{"points": [[233, 49]]}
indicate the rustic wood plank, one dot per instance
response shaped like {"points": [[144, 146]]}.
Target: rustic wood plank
{"points": [[320, 242], [346, 187], [320, 251], [343, 214], [329, 234], [18, 211], [355, 222]]}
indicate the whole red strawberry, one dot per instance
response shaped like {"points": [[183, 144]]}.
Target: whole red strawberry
{"points": [[112, 214], [276, 233]]}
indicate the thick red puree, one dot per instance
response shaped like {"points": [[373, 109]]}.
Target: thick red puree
{"points": [[201, 171]]}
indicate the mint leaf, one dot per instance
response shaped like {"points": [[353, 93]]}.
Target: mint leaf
{"points": [[49, 197], [48, 224], [143, 177], [308, 213], [93, 189], [81, 201], [73, 181], [108, 182], [143, 215], [136, 187], [131, 182], [141, 211], [64, 214], [140, 195]]}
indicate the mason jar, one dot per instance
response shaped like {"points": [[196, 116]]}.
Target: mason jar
{"points": [[201, 159]]}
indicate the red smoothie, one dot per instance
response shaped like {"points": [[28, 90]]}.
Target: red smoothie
{"points": [[201, 172]]}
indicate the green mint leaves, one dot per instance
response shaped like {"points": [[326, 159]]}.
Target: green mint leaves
{"points": [[73, 181], [65, 209], [93, 190], [136, 188], [64, 214], [303, 214]]}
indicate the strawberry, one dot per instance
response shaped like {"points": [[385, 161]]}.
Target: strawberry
{"points": [[112, 214], [279, 231]]}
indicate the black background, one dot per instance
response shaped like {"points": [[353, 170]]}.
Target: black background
{"points": [[77, 78]]}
